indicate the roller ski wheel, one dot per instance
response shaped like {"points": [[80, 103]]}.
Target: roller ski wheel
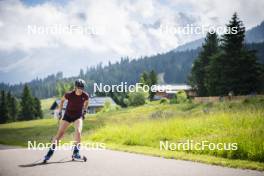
{"points": [[79, 158]]}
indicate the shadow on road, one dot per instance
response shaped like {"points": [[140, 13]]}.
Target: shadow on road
{"points": [[39, 163]]}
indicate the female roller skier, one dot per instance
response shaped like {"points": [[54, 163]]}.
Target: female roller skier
{"points": [[74, 113]]}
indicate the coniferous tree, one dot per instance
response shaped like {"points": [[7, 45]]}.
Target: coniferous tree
{"points": [[149, 79], [81, 74], [3, 108], [261, 79], [144, 78], [8, 101], [13, 108], [235, 68], [37, 108], [199, 74], [27, 107], [153, 79], [215, 83], [63, 87]]}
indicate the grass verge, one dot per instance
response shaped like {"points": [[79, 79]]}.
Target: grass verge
{"points": [[140, 129], [242, 164]]}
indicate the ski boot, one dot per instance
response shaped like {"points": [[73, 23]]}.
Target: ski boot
{"points": [[49, 154], [76, 155]]}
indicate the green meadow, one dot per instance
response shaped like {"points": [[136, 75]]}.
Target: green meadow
{"points": [[140, 130]]}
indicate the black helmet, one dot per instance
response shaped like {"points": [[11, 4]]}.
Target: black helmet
{"points": [[80, 83]]}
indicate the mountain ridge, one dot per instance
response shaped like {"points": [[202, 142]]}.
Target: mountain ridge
{"points": [[175, 66]]}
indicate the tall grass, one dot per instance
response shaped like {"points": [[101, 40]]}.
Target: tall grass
{"points": [[240, 122], [45, 106], [228, 122]]}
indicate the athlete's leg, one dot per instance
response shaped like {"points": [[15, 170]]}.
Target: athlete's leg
{"points": [[62, 128], [77, 135]]}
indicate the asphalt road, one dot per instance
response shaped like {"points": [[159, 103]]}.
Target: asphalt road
{"points": [[24, 162]]}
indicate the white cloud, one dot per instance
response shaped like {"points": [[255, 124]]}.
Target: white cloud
{"points": [[249, 11], [126, 28]]}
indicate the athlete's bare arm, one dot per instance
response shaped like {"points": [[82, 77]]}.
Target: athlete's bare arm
{"points": [[61, 103], [85, 105]]}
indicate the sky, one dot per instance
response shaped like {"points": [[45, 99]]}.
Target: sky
{"points": [[40, 37]]}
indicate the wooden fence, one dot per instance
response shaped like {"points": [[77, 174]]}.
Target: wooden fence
{"points": [[223, 98]]}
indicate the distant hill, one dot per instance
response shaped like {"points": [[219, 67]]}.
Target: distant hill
{"points": [[259, 49], [256, 34], [191, 45], [174, 66]]}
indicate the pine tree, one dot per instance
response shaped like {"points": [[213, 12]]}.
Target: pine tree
{"points": [[236, 68], [233, 42], [149, 79], [37, 108], [8, 101], [81, 74], [153, 79], [144, 78], [199, 74], [215, 83], [3, 108], [261, 79], [13, 109], [27, 108], [232, 45]]}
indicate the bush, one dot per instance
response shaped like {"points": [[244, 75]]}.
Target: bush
{"points": [[180, 97], [174, 100], [108, 106], [164, 101], [137, 97], [126, 101]]}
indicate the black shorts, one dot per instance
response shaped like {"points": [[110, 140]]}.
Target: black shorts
{"points": [[70, 119]]}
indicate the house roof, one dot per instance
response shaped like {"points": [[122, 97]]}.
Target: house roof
{"points": [[93, 102], [171, 88], [56, 103], [100, 101]]}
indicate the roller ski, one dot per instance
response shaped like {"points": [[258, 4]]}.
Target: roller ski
{"points": [[76, 155]]}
